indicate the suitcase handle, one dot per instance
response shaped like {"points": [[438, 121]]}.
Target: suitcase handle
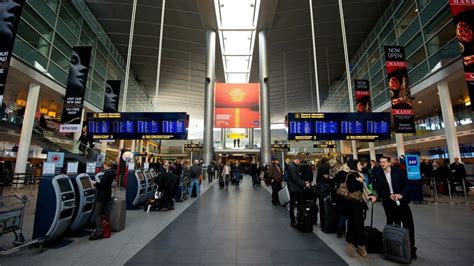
{"points": [[372, 216]]}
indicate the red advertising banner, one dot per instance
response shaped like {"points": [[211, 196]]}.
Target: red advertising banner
{"points": [[362, 94], [463, 16], [397, 75], [237, 105]]}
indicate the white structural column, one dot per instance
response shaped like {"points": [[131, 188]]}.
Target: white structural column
{"points": [[127, 67], [77, 134], [27, 128], [265, 149], [400, 146], [373, 156], [348, 71], [133, 145], [103, 147], [316, 82], [208, 145], [448, 119], [160, 45]]}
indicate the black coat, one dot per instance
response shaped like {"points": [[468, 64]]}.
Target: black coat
{"points": [[295, 182], [306, 172], [104, 187], [457, 170], [323, 169], [399, 184]]}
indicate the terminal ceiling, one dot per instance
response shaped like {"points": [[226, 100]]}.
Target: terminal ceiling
{"points": [[292, 80]]}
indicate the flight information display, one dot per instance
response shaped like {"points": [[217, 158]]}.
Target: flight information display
{"points": [[338, 126], [105, 126]]}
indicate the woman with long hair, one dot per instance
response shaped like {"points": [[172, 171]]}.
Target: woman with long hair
{"points": [[355, 237]]}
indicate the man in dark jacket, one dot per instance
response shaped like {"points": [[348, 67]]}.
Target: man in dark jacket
{"points": [[323, 170], [295, 187], [103, 190], [276, 175], [457, 169], [196, 171], [393, 189]]}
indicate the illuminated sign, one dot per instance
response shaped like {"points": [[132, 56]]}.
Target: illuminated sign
{"points": [[147, 126], [338, 126]]}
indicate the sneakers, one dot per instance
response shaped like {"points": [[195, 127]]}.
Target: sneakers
{"points": [[362, 252], [95, 237], [350, 250]]}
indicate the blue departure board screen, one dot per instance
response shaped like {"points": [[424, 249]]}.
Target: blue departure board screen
{"points": [[103, 126], [338, 126]]}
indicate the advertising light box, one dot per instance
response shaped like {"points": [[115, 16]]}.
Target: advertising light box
{"points": [[338, 126], [104, 126]]}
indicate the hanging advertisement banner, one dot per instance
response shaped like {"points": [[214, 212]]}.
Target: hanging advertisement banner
{"points": [[75, 89], [463, 16], [362, 95], [111, 96], [237, 105], [10, 12], [397, 75]]}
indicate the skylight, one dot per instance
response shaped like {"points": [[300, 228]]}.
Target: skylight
{"points": [[237, 22]]}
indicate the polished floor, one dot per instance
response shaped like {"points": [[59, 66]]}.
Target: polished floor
{"points": [[235, 227], [242, 227]]}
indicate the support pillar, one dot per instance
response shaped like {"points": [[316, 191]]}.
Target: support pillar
{"points": [[208, 145], [400, 146], [251, 131], [264, 98], [373, 156], [27, 130], [103, 147], [223, 137], [77, 134], [448, 119], [132, 145], [354, 149]]}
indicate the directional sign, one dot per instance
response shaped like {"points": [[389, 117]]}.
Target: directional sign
{"points": [[280, 147], [193, 147], [324, 146]]}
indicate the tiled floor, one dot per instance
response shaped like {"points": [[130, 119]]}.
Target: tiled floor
{"points": [[237, 227]]}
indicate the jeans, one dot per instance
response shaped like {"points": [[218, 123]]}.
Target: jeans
{"points": [[194, 182]]}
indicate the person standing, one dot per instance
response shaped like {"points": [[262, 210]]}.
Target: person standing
{"points": [[226, 175], [323, 170], [295, 187], [457, 170], [196, 171], [355, 237], [393, 188], [238, 143], [276, 175], [235, 142], [237, 172], [211, 169], [103, 190]]}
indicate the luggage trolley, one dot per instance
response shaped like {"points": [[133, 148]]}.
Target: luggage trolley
{"points": [[12, 212]]}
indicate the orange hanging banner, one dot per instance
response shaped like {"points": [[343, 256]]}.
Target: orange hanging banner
{"points": [[237, 105]]}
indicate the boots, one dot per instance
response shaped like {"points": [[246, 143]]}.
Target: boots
{"points": [[351, 250], [362, 252]]}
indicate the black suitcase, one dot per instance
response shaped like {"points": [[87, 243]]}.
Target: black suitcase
{"points": [[328, 215], [373, 236], [305, 217], [396, 244], [221, 182]]}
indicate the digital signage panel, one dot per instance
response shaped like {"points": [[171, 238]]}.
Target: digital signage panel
{"points": [[103, 126], [338, 126]]}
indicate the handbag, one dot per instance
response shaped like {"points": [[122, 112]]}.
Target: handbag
{"points": [[344, 192]]}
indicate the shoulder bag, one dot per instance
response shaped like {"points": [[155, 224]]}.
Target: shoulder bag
{"points": [[344, 192]]}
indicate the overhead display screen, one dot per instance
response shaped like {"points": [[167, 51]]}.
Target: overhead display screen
{"points": [[105, 126], [338, 126]]}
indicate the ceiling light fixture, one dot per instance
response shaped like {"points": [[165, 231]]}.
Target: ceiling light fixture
{"points": [[237, 23]]}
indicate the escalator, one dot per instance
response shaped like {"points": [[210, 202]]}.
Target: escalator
{"points": [[46, 138]]}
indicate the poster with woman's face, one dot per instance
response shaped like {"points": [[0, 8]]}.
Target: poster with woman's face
{"points": [[75, 89], [10, 11], [111, 96], [463, 17]]}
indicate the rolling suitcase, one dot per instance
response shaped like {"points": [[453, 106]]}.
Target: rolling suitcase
{"points": [[305, 217], [373, 236], [396, 243], [221, 182], [117, 214], [284, 195], [328, 215]]}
